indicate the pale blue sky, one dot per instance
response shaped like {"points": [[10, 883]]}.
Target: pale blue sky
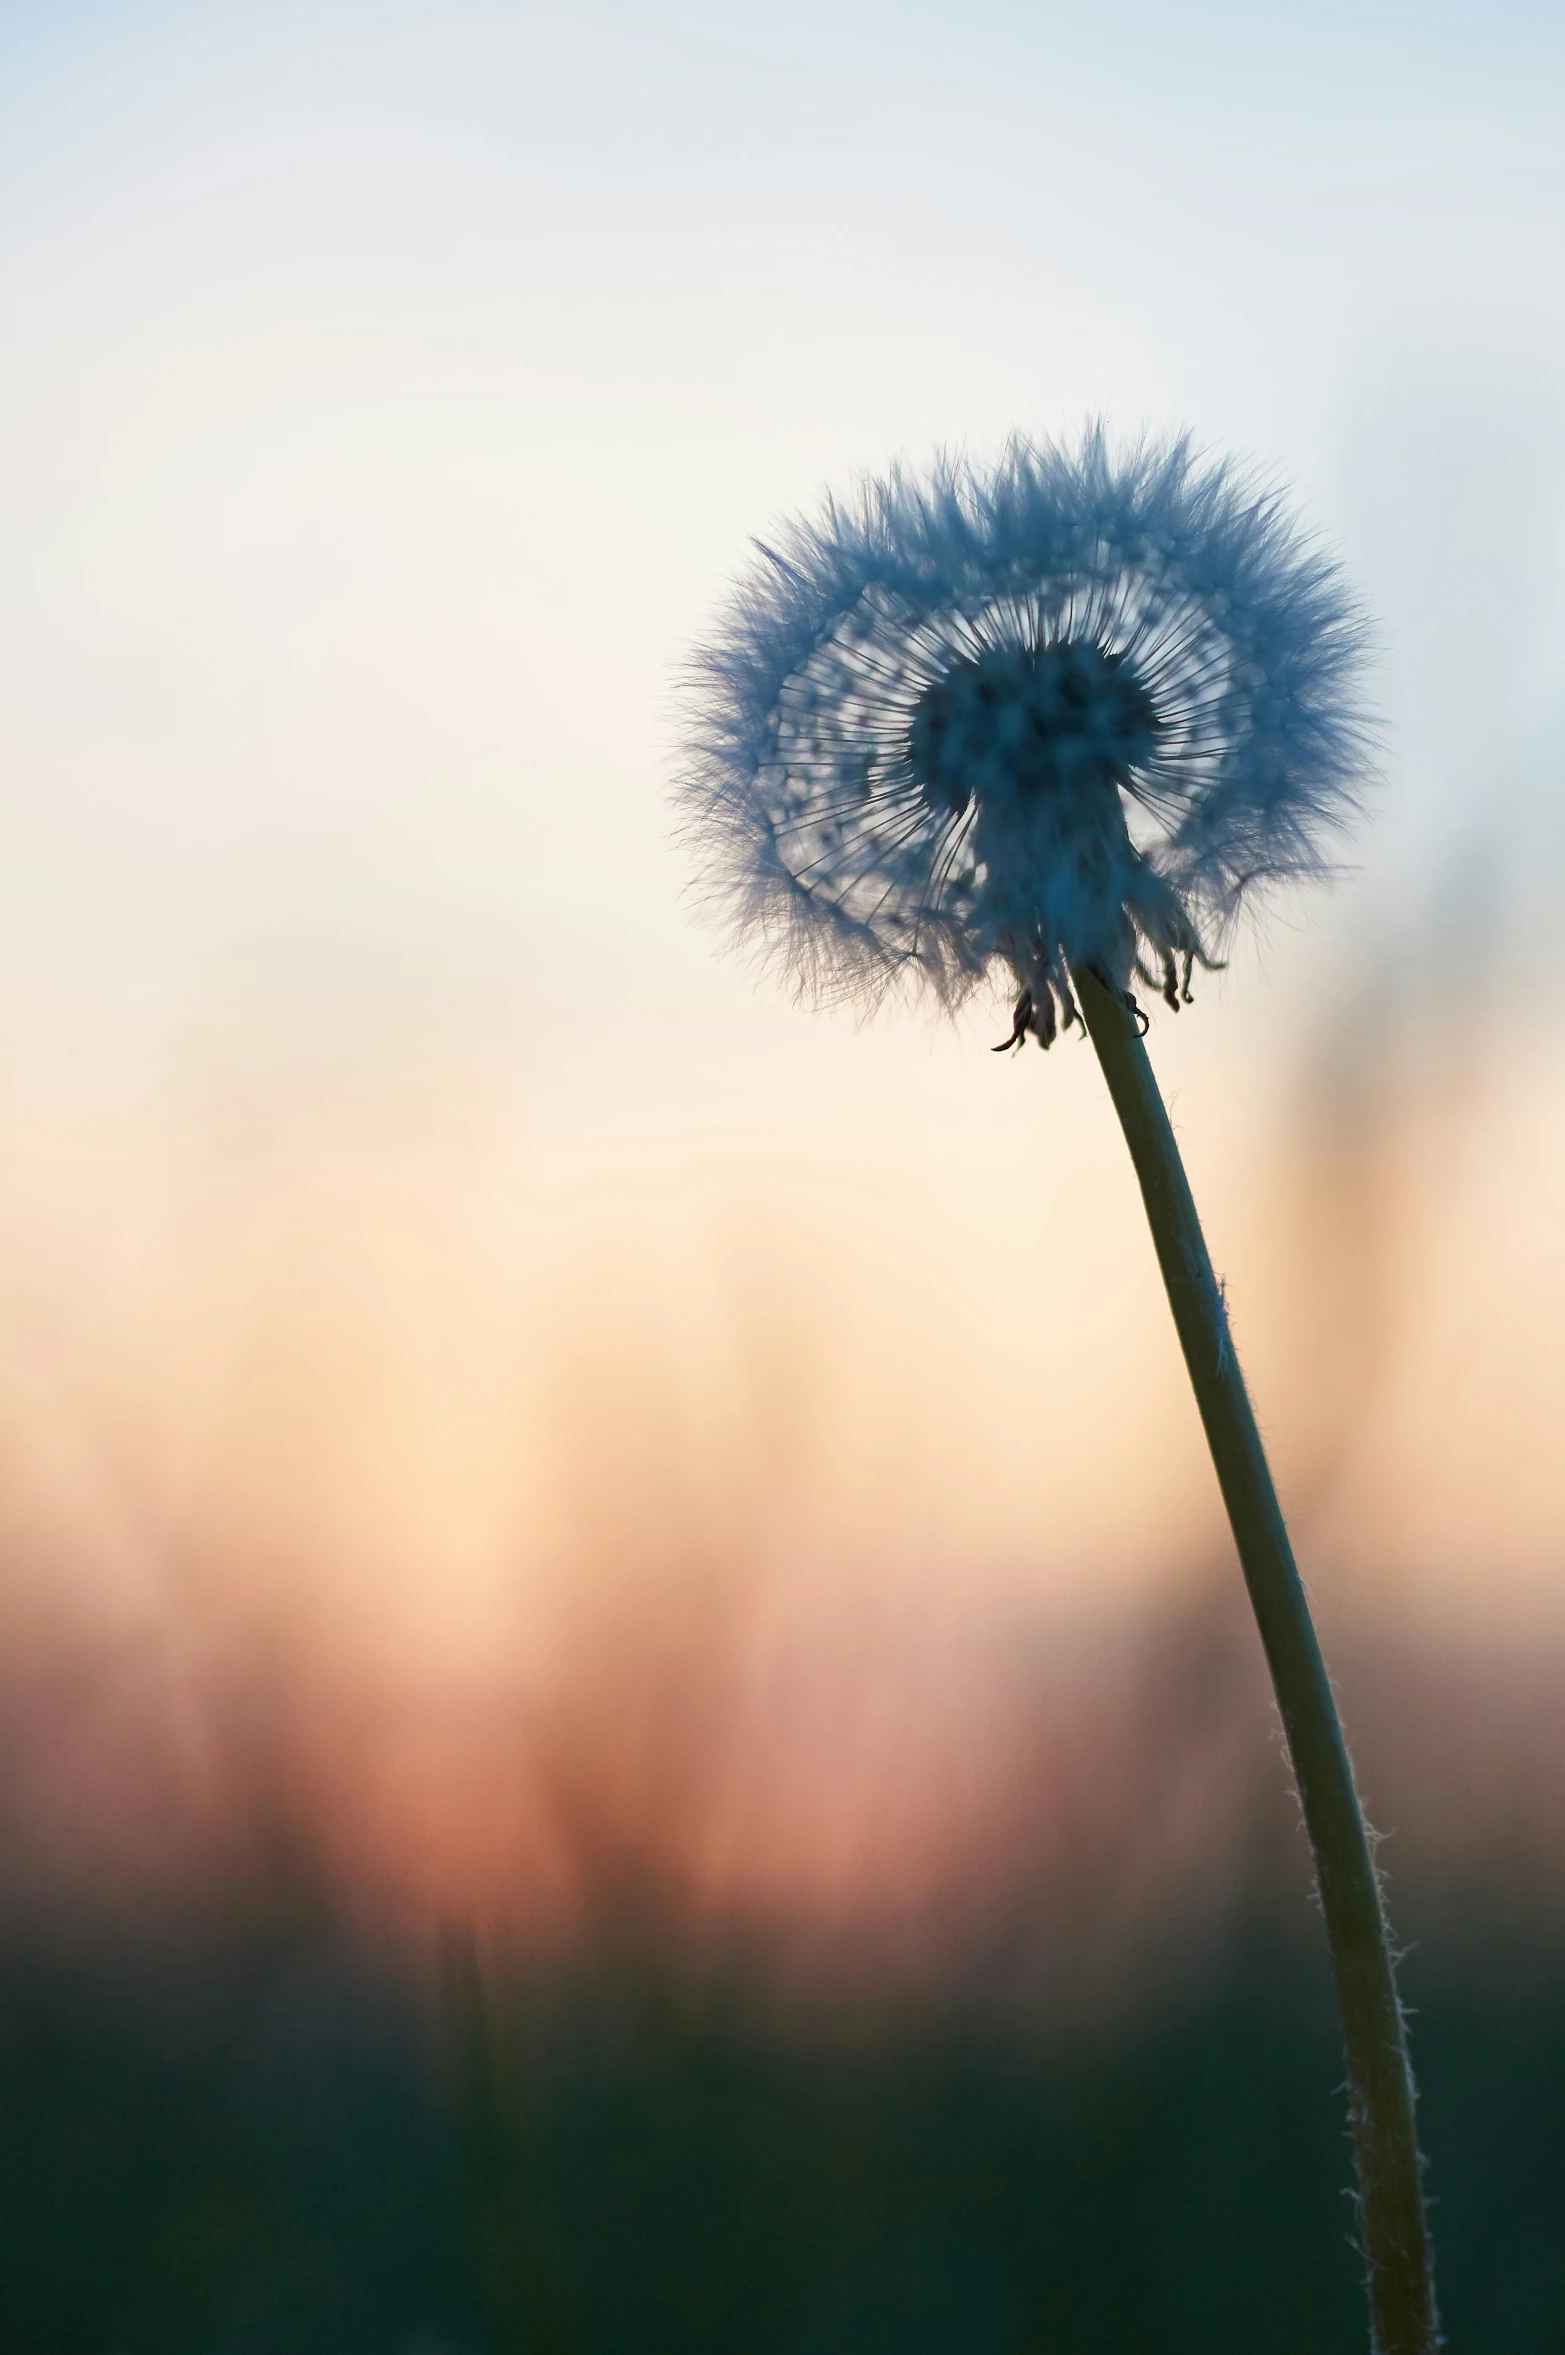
{"points": [[385, 394]]}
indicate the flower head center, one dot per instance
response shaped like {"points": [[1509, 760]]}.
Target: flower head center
{"points": [[1018, 723]]}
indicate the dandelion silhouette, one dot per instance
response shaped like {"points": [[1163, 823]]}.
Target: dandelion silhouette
{"points": [[1058, 724]]}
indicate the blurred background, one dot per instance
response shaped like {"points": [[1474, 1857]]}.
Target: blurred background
{"points": [[627, 1718]]}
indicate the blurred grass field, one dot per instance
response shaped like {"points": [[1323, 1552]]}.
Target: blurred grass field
{"points": [[1084, 2099]]}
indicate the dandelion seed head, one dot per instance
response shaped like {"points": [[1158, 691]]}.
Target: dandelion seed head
{"points": [[1078, 709]]}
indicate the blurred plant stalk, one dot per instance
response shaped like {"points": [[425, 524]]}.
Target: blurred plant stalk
{"points": [[1393, 2233], [506, 2201]]}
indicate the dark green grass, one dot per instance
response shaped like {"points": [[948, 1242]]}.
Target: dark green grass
{"points": [[255, 2147]]}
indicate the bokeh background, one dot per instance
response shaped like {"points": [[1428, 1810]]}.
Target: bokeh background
{"points": [[627, 1720]]}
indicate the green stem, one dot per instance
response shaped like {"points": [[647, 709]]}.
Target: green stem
{"points": [[1392, 2232]]}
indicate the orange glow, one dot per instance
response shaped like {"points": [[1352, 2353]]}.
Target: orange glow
{"points": [[492, 1489]]}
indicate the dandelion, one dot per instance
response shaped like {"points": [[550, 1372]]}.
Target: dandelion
{"points": [[1056, 726], [1068, 716]]}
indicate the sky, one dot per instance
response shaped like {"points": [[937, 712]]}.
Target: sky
{"points": [[390, 393], [405, 1208]]}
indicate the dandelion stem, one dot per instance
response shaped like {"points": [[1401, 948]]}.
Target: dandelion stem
{"points": [[1392, 2232]]}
